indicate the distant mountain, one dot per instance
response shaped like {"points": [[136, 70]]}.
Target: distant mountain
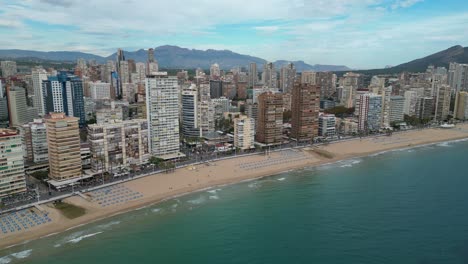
{"points": [[443, 58], [302, 66], [51, 55], [174, 57], [170, 57]]}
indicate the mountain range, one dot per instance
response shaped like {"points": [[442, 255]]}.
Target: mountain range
{"points": [[170, 57], [174, 57]]}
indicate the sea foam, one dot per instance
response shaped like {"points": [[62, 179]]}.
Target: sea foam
{"points": [[23, 254], [5, 260], [78, 239]]}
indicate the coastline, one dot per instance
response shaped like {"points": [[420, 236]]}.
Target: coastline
{"points": [[159, 188]]}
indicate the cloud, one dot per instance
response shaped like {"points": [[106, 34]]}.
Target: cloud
{"points": [[59, 3], [9, 23], [267, 29], [404, 3]]}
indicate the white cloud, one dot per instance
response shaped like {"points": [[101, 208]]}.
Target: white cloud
{"points": [[404, 3]]}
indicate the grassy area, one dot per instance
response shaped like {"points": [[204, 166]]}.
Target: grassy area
{"points": [[70, 211]]}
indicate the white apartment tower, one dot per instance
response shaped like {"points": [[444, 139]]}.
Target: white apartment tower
{"points": [[244, 132], [39, 75], [162, 103]]}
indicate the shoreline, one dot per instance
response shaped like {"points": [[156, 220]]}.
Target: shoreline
{"points": [[342, 151]]}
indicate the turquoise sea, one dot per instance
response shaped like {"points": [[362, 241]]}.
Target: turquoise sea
{"points": [[406, 206]]}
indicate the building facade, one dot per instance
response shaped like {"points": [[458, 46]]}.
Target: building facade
{"points": [[64, 94], [326, 125], [270, 118], [305, 107], [120, 144], [244, 132], [162, 102], [461, 106], [397, 104], [63, 139], [12, 179], [35, 140], [370, 112]]}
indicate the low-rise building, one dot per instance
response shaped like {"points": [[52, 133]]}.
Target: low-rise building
{"points": [[326, 125]]}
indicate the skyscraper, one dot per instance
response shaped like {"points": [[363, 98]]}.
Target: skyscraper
{"points": [[216, 89], [287, 77], [305, 107], [215, 71], [253, 74], [397, 104], [17, 106], [270, 118], [190, 126], [64, 93], [151, 65], [411, 99], [458, 76], [38, 76], [162, 102], [327, 83], [425, 107], [63, 139], [442, 105], [269, 75], [12, 178], [461, 106], [308, 77], [370, 112]]}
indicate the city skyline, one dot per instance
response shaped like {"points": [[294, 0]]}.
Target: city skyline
{"points": [[339, 32]]}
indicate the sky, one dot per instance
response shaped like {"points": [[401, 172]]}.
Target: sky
{"points": [[360, 34]]}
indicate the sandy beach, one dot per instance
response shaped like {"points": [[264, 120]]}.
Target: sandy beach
{"points": [[152, 189]]}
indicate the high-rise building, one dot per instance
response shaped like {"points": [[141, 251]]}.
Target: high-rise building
{"points": [[118, 144], [63, 139], [244, 132], [425, 107], [12, 179], [270, 118], [458, 77], [64, 93], [215, 71], [386, 93], [110, 114], [35, 140], [216, 89], [397, 104], [253, 74], [8, 68], [442, 105], [17, 106], [162, 102], [370, 112], [38, 76], [308, 77], [100, 90], [140, 73], [152, 65], [305, 107], [190, 127], [251, 110], [287, 77], [269, 75], [206, 117], [411, 99], [461, 106], [327, 83], [326, 125]]}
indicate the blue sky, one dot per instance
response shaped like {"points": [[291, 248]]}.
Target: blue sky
{"points": [[357, 33]]}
